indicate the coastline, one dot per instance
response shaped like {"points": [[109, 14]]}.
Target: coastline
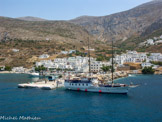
{"points": [[5, 72]]}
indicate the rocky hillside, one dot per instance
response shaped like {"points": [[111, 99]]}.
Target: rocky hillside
{"points": [[42, 30], [34, 38], [138, 21]]}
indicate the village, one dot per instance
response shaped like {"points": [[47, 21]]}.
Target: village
{"points": [[131, 62]]}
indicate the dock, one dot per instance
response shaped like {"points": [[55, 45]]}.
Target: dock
{"points": [[46, 85]]}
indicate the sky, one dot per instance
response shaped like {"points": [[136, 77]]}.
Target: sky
{"points": [[64, 9]]}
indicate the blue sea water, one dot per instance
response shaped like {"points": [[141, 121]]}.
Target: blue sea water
{"points": [[143, 103]]}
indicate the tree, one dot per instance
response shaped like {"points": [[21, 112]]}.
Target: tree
{"points": [[8, 68], [148, 70], [40, 68], [105, 68], [148, 54], [157, 62], [60, 76], [70, 55], [100, 58]]}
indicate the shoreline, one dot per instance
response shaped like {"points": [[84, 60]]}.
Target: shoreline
{"points": [[6, 72], [10, 72]]}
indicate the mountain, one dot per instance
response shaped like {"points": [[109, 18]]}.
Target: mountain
{"points": [[138, 21], [42, 30], [34, 38], [30, 18]]}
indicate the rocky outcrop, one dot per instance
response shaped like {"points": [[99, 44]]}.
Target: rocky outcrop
{"points": [[123, 25]]}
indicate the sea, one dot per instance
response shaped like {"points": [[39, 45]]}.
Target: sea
{"points": [[141, 104]]}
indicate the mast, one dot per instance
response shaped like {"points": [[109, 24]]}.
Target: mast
{"points": [[89, 59], [112, 67]]}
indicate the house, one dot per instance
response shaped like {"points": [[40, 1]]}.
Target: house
{"points": [[158, 42], [15, 50], [64, 52], [72, 51], [2, 68], [119, 59], [18, 69], [146, 64], [160, 37], [155, 66], [155, 38], [43, 56], [150, 42], [155, 57]]}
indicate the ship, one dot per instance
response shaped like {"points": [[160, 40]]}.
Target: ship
{"points": [[91, 84]]}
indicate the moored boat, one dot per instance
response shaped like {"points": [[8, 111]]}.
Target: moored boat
{"points": [[94, 85]]}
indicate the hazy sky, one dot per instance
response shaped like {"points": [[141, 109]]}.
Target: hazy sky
{"points": [[64, 9]]}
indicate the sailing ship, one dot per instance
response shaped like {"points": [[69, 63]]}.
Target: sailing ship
{"points": [[91, 84]]}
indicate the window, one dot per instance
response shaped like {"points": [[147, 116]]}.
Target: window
{"points": [[82, 84], [79, 84], [72, 84], [76, 84], [87, 84]]}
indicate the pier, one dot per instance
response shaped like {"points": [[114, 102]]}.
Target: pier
{"points": [[46, 85]]}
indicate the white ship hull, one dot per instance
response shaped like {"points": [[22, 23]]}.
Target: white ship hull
{"points": [[99, 89], [34, 74]]}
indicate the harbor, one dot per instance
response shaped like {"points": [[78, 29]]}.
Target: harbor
{"points": [[81, 61], [60, 103]]}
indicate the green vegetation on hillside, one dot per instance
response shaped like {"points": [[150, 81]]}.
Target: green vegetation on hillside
{"points": [[133, 43], [40, 68], [8, 68], [156, 63], [148, 70], [78, 53], [105, 68]]}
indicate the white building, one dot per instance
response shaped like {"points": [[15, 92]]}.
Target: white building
{"points": [[160, 37], [150, 42], [145, 64], [158, 42], [78, 64], [2, 68], [15, 50], [72, 51], [155, 57], [130, 56], [43, 56], [64, 52], [19, 69], [97, 65]]}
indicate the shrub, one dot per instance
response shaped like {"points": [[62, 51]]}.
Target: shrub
{"points": [[157, 62], [8, 68], [40, 68], [105, 68], [148, 70], [100, 58]]}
